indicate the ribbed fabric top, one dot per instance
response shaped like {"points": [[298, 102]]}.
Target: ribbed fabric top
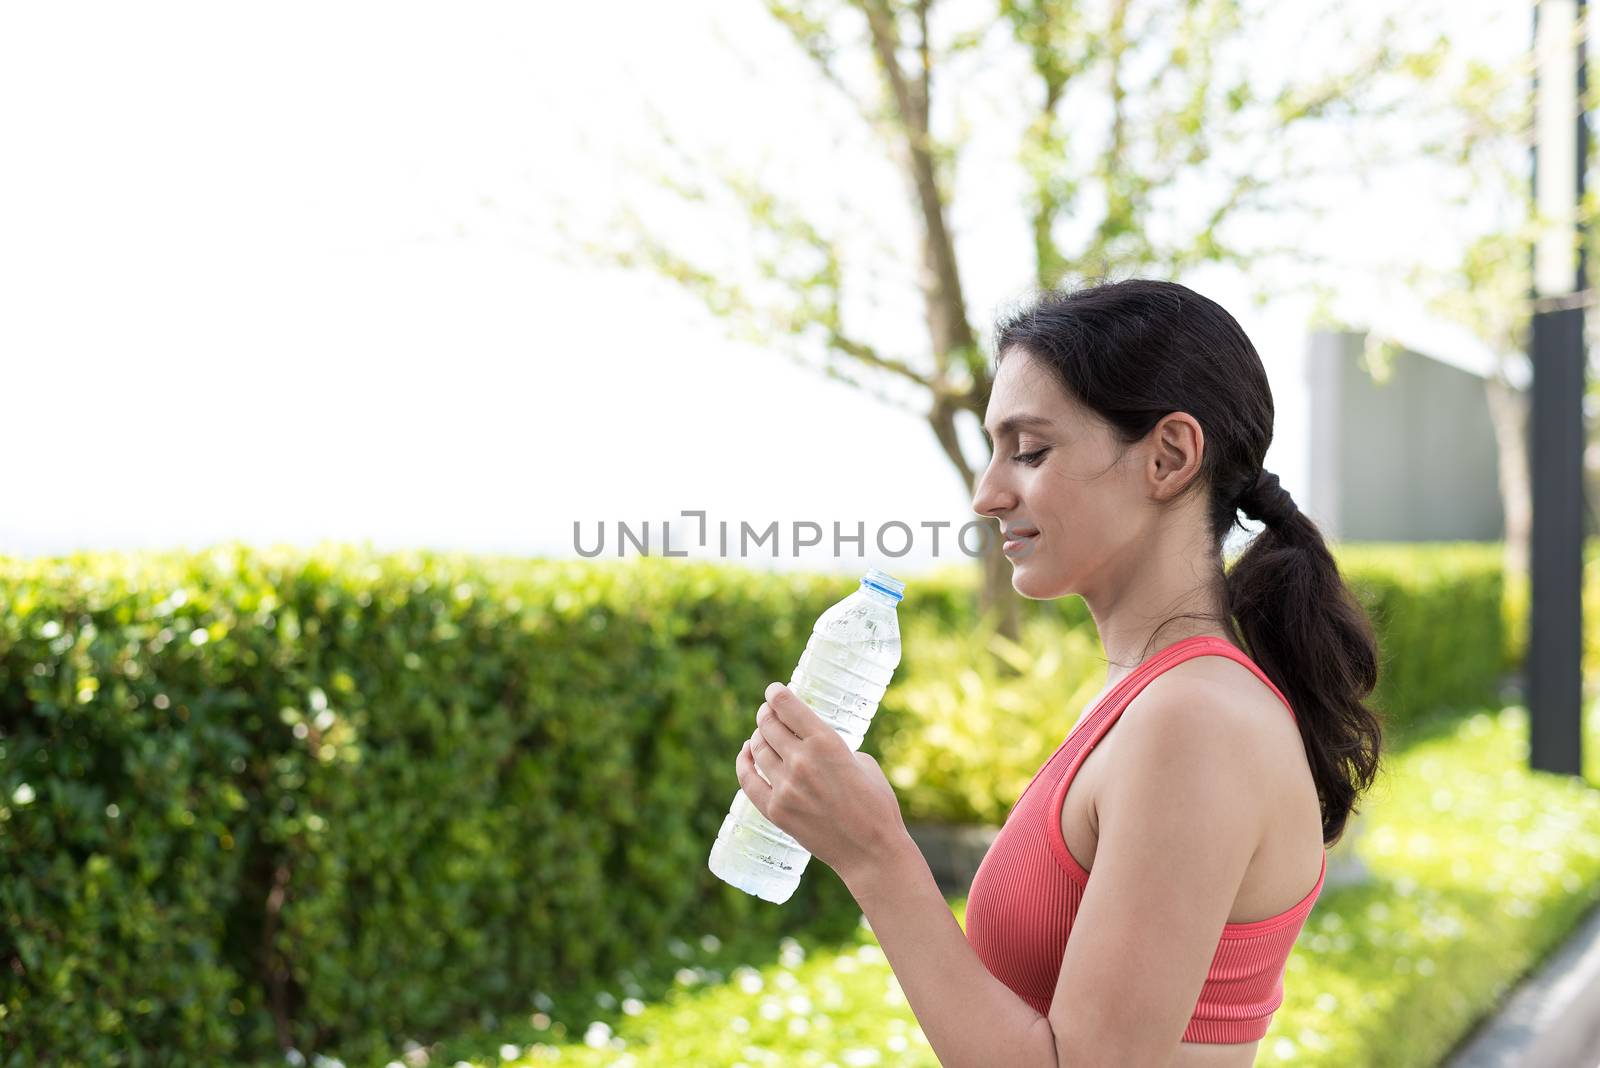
{"points": [[1028, 887]]}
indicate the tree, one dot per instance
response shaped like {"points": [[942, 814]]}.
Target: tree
{"points": [[1483, 125], [1151, 134]]}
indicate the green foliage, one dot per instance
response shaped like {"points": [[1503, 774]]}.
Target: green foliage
{"points": [[976, 714], [1480, 868], [964, 731], [334, 799], [1440, 614]]}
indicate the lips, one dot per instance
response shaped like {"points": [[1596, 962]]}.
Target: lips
{"points": [[1016, 539]]}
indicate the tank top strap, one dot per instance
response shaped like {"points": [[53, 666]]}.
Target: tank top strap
{"points": [[1109, 707], [1210, 645]]}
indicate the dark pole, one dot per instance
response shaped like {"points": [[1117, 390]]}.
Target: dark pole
{"points": [[1556, 445]]}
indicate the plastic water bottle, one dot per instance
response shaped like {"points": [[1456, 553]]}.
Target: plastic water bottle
{"points": [[853, 651]]}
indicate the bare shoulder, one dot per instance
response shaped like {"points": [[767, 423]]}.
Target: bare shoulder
{"points": [[1224, 746], [1232, 698], [1217, 709]]}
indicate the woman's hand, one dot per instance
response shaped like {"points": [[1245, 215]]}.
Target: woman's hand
{"points": [[832, 800]]}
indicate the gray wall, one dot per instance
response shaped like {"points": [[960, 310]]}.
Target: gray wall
{"points": [[1412, 458]]}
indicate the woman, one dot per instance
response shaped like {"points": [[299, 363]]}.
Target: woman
{"points": [[1200, 788]]}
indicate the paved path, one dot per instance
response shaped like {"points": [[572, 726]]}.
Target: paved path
{"points": [[1552, 1018]]}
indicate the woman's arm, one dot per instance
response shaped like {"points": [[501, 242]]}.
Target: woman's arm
{"points": [[971, 1019], [838, 804]]}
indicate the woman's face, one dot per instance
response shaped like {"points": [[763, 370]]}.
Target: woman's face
{"points": [[1066, 493]]}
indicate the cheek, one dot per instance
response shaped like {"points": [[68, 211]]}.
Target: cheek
{"points": [[1076, 522], [1058, 504]]}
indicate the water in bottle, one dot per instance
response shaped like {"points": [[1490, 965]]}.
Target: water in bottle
{"points": [[849, 659]]}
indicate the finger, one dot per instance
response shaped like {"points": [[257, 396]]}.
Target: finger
{"points": [[795, 714], [771, 731], [762, 750], [755, 787]]}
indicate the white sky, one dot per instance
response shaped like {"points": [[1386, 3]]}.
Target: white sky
{"points": [[284, 273]]}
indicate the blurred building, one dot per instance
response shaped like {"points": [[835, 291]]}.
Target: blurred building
{"points": [[1404, 454]]}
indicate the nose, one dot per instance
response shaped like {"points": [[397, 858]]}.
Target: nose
{"points": [[991, 497]]}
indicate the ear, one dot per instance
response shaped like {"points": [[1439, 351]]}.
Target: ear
{"points": [[1177, 445]]}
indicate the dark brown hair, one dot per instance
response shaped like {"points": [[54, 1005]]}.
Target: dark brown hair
{"points": [[1136, 350]]}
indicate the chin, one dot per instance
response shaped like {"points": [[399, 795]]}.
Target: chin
{"points": [[1038, 587]]}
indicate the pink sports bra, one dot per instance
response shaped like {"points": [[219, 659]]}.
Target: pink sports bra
{"points": [[1027, 890]]}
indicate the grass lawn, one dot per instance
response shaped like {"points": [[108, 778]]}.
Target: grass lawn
{"points": [[1479, 867]]}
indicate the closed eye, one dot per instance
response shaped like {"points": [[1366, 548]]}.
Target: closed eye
{"points": [[1030, 458]]}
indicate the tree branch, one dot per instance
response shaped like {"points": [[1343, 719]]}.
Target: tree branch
{"points": [[1040, 27], [810, 33], [1121, 185], [953, 340], [925, 82], [941, 416], [818, 294]]}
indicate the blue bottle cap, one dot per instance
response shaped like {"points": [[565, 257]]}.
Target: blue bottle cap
{"points": [[884, 582]]}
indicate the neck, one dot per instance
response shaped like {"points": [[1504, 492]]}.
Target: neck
{"points": [[1165, 580]]}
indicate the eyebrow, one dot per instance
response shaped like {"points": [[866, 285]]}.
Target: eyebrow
{"points": [[1016, 422]]}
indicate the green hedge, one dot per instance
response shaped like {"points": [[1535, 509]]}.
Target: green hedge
{"points": [[334, 799], [963, 732], [1440, 612], [1448, 630]]}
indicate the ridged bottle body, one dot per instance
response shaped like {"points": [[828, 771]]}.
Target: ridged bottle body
{"points": [[843, 673]]}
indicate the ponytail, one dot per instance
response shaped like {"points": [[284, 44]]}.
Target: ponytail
{"points": [[1302, 625]]}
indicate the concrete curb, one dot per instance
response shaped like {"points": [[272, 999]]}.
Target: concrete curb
{"points": [[1551, 1019]]}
